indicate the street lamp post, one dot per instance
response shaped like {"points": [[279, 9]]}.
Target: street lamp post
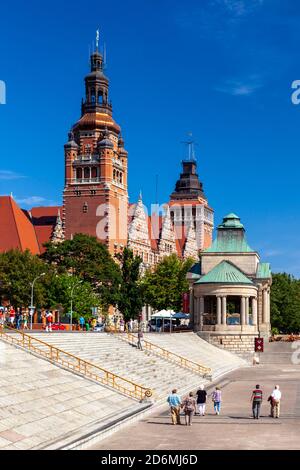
{"points": [[71, 312], [31, 306]]}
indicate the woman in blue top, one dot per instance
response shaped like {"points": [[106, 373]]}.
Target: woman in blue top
{"points": [[217, 398]]}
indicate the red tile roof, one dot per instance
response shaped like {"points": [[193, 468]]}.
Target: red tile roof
{"points": [[44, 221], [16, 229]]}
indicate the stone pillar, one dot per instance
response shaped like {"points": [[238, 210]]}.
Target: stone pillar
{"points": [[254, 311], [219, 309], [246, 310], [243, 310], [224, 310], [191, 302], [196, 313], [201, 309], [268, 316], [265, 306]]}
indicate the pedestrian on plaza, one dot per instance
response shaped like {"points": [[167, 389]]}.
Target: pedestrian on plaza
{"points": [[12, 315], [256, 400], [18, 319], [44, 321], [25, 320], [189, 407], [93, 323], [49, 319], [174, 401], [275, 402], [217, 399], [140, 337], [201, 400], [130, 325], [2, 318], [81, 322]]}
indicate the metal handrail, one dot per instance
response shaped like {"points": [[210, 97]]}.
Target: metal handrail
{"points": [[75, 363], [183, 361]]}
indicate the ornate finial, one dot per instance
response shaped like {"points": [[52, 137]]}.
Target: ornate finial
{"points": [[140, 196], [191, 147], [71, 135], [97, 39]]}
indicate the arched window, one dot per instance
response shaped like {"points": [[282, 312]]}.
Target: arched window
{"points": [[114, 175], [87, 173], [121, 178], [100, 97], [78, 173], [93, 95], [94, 172], [85, 208]]}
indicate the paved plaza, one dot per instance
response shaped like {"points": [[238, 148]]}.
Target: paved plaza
{"points": [[234, 428]]}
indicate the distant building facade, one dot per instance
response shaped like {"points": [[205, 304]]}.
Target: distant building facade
{"points": [[95, 195]]}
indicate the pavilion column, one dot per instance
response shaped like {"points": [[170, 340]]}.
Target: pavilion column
{"points": [[254, 311], [196, 312], [265, 306], [247, 311], [224, 310], [219, 308], [201, 308], [268, 315], [191, 306], [243, 310]]}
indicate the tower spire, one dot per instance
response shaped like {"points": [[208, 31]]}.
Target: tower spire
{"points": [[97, 39], [191, 147]]}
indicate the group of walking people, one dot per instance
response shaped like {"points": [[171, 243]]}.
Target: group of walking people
{"points": [[193, 405], [15, 318], [196, 404]]}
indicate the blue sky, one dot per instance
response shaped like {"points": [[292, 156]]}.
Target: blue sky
{"points": [[221, 69]]}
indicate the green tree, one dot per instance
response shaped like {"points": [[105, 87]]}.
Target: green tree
{"points": [[84, 256], [163, 288], [130, 300], [17, 272], [285, 303], [84, 298]]}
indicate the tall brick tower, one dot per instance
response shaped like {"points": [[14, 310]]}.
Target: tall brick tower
{"points": [[188, 205], [95, 196]]}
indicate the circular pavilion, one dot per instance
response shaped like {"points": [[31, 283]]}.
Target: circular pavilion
{"points": [[230, 291]]}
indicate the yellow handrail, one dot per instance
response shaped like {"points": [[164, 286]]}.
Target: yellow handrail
{"points": [[75, 363], [184, 362]]}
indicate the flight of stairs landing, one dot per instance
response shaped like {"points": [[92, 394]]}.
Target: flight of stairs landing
{"points": [[143, 367]]}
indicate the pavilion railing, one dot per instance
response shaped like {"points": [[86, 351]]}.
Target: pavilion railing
{"points": [[166, 354], [76, 364]]}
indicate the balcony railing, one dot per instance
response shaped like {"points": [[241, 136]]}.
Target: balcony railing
{"points": [[85, 180], [88, 158]]}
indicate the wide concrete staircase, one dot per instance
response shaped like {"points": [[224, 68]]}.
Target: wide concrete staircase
{"points": [[43, 406], [279, 352], [49, 407], [191, 346], [146, 368], [125, 360]]}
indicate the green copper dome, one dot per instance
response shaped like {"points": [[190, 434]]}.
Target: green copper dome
{"points": [[225, 273], [231, 237]]}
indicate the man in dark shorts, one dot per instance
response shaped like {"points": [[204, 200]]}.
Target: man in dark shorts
{"points": [[201, 400]]}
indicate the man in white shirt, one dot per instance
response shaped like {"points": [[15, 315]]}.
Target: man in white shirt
{"points": [[276, 397]]}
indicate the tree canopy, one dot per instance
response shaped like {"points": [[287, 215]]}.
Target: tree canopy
{"points": [[84, 256], [285, 303], [163, 287], [130, 298], [17, 272]]}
